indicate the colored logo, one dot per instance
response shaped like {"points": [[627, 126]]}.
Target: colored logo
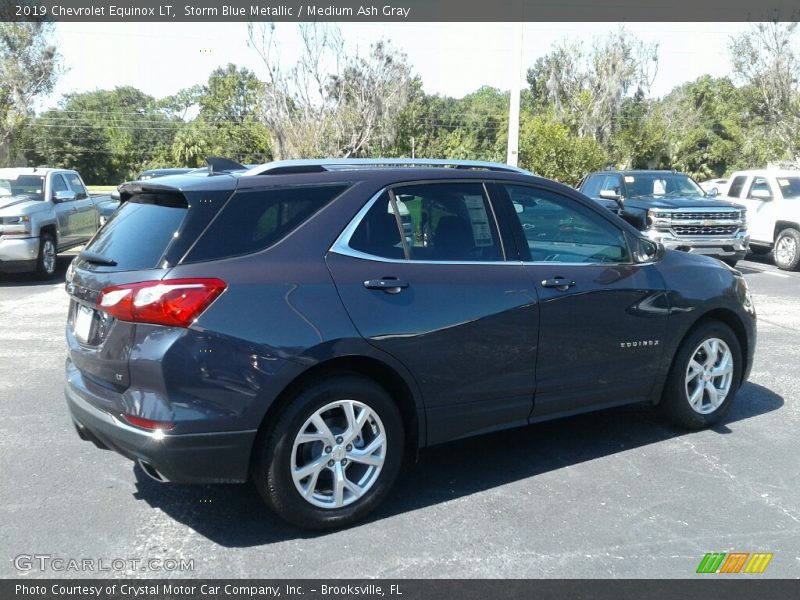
{"points": [[734, 562]]}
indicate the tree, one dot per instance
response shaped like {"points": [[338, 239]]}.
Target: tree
{"points": [[29, 67], [550, 149], [108, 135], [227, 123], [765, 60], [587, 89], [330, 103]]}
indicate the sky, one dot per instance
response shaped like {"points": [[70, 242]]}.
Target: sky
{"points": [[453, 59]]}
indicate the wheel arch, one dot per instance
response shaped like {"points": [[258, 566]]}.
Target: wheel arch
{"points": [[781, 225], [51, 229], [366, 366], [733, 321]]}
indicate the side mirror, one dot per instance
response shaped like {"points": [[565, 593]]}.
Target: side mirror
{"points": [[613, 195], [761, 195], [610, 194], [63, 196], [712, 193], [649, 251]]}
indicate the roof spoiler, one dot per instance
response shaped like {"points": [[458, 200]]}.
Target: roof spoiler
{"points": [[217, 164]]}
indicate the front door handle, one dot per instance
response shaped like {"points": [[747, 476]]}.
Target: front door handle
{"points": [[561, 284], [390, 285]]}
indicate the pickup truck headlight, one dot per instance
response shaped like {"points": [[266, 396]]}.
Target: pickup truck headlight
{"points": [[658, 219], [21, 224]]}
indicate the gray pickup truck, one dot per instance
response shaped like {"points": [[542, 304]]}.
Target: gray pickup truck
{"points": [[43, 212]]}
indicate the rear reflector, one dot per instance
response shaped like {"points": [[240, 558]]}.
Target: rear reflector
{"points": [[173, 302], [147, 423]]}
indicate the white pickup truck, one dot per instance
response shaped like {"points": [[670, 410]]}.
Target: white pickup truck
{"points": [[772, 198], [42, 212]]}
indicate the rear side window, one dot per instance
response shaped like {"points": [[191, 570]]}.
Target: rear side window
{"points": [[736, 186], [254, 220], [139, 233]]}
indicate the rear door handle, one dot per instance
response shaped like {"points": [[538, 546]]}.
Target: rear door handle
{"points": [[561, 284], [390, 285]]}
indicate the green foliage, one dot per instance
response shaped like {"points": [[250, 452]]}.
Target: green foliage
{"points": [[228, 121], [107, 135], [549, 148], [29, 67]]}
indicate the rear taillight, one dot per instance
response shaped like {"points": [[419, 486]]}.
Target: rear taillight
{"points": [[175, 302]]}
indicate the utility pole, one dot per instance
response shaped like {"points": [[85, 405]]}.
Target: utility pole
{"points": [[512, 155]]}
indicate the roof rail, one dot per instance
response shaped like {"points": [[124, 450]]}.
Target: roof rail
{"points": [[285, 167]]}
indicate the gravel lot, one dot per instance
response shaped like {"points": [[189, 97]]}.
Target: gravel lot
{"points": [[613, 494]]}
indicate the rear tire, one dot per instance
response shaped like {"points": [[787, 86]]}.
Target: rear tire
{"points": [[48, 256], [704, 377], [787, 250], [333, 454]]}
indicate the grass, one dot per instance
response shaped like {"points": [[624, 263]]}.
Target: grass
{"points": [[101, 188]]}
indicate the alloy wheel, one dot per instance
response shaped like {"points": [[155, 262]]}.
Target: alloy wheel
{"points": [[785, 250], [338, 454], [49, 256], [709, 375]]}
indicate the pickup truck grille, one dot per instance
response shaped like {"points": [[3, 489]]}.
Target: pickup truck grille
{"points": [[704, 230], [705, 216]]}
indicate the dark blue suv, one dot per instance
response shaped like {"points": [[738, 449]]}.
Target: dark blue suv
{"points": [[308, 325]]}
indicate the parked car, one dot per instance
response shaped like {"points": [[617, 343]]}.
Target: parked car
{"points": [[672, 209], [772, 198], [713, 187], [42, 212], [286, 325]]}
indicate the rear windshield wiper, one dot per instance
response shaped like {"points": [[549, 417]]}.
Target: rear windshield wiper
{"points": [[97, 259]]}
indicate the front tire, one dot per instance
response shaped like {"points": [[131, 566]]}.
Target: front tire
{"points": [[48, 256], [704, 378], [333, 454], [787, 250]]}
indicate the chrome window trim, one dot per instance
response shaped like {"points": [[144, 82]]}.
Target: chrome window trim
{"points": [[342, 244]]}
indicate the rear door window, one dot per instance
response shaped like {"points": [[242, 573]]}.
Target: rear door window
{"points": [[450, 222], [254, 220]]}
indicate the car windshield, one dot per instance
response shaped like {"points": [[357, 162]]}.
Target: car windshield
{"points": [[790, 186], [31, 186], [661, 185]]}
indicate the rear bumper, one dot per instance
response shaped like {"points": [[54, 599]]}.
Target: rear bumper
{"points": [[732, 247], [181, 458]]}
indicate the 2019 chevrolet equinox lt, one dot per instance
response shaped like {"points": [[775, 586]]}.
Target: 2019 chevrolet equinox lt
{"points": [[293, 326]]}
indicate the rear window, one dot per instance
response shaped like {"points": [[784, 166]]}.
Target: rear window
{"points": [[254, 220], [138, 234]]}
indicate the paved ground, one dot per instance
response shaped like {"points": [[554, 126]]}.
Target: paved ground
{"points": [[614, 494]]}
